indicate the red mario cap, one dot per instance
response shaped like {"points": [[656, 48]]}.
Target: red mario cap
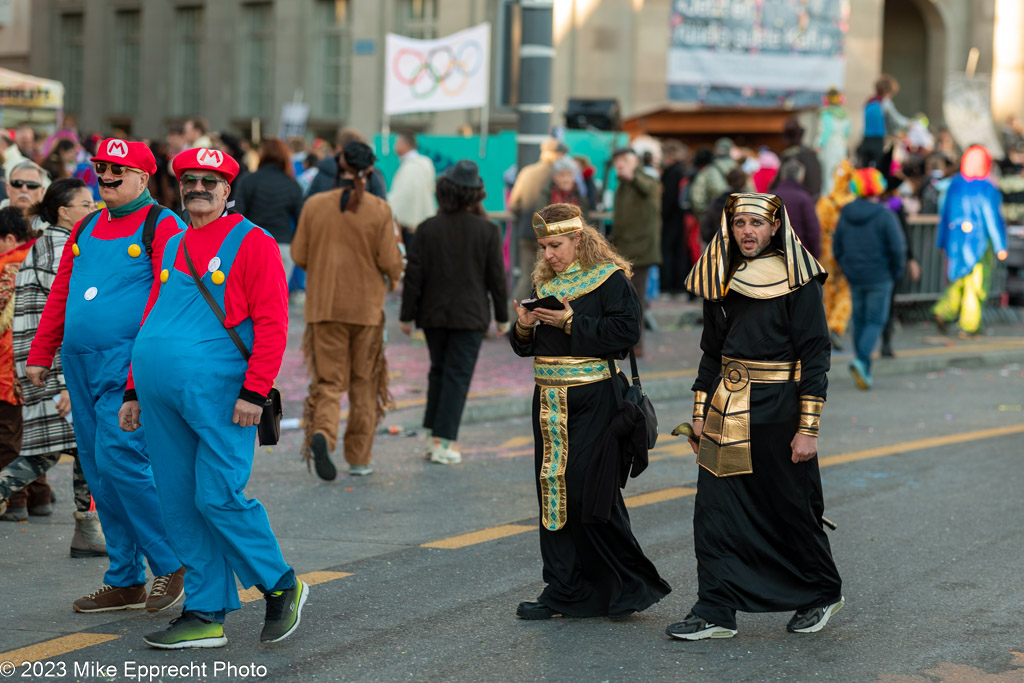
{"points": [[125, 153], [202, 159]]}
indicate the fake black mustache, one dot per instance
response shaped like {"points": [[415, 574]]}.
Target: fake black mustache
{"points": [[189, 196], [103, 183]]}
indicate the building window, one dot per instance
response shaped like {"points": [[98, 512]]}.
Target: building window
{"points": [[331, 80], [187, 77], [418, 18], [72, 41], [256, 65], [126, 61]]}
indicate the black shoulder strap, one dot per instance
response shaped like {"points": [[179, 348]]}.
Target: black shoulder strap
{"points": [[84, 222], [214, 306], [149, 228], [614, 370]]}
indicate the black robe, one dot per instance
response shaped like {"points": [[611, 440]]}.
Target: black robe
{"points": [[758, 537], [592, 569]]}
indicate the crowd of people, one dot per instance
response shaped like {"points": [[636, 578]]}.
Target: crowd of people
{"points": [[142, 283]]}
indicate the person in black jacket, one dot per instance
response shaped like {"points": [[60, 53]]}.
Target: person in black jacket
{"points": [[454, 263], [271, 198]]}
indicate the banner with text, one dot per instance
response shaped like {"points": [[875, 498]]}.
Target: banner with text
{"points": [[437, 75], [756, 53]]}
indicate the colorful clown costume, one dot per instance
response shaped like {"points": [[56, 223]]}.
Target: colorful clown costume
{"points": [[93, 314], [971, 232], [187, 374]]}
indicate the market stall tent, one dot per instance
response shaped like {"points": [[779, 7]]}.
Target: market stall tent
{"points": [[29, 99]]}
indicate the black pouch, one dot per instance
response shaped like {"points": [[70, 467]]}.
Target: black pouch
{"points": [[269, 429]]}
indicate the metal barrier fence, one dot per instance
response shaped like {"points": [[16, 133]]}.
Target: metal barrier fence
{"points": [[922, 235]]}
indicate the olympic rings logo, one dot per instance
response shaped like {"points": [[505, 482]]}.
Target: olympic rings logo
{"points": [[445, 67]]}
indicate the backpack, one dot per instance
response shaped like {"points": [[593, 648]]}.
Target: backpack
{"points": [[148, 229]]}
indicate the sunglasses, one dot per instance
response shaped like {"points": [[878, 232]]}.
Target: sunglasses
{"points": [[209, 182], [116, 170], [27, 184]]}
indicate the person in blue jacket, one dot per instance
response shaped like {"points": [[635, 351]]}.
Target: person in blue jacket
{"points": [[869, 247]]}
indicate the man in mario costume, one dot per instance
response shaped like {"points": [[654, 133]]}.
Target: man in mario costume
{"points": [[201, 394], [107, 273]]}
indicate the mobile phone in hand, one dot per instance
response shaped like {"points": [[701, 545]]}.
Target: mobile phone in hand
{"points": [[548, 302]]}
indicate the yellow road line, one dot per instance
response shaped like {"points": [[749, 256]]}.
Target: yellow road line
{"points": [[55, 647], [920, 444], [311, 578], [481, 536], [517, 442], [658, 496]]}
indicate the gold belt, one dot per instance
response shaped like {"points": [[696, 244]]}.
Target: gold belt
{"points": [[564, 371], [725, 442]]}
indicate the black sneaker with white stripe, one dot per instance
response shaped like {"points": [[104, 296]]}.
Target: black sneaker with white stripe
{"points": [[814, 619], [697, 628]]}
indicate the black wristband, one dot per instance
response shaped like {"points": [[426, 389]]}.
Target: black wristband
{"points": [[130, 395], [252, 397]]}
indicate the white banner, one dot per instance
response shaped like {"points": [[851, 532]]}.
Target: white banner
{"points": [[437, 75]]}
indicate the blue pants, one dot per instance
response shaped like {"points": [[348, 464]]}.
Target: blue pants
{"points": [[202, 465], [117, 467], [870, 313]]}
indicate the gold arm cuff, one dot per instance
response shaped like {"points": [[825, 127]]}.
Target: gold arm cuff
{"points": [[522, 331], [700, 404], [810, 414], [567, 324]]}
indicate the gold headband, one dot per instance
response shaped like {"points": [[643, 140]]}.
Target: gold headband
{"points": [[544, 229], [765, 205]]}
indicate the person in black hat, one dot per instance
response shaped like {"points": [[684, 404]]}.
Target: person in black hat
{"points": [[455, 263]]}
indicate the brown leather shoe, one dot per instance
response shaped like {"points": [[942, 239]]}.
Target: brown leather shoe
{"points": [[167, 590], [111, 598]]}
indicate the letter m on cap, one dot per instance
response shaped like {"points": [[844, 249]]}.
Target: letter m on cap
{"points": [[210, 157], [117, 148]]}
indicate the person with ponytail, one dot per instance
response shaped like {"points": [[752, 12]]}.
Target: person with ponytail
{"points": [[347, 243]]}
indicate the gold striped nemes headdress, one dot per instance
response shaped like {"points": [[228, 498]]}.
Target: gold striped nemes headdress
{"points": [[544, 229], [709, 278]]}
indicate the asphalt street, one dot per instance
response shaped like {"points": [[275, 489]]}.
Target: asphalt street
{"points": [[418, 568]]}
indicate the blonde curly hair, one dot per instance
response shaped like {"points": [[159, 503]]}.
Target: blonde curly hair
{"points": [[591, 250]]}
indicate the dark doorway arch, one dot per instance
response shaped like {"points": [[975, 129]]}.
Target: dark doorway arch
{"points": [[914, 52]]}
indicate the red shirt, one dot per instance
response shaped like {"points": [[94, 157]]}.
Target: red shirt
{"points": [[255, 288], [50, 333]]}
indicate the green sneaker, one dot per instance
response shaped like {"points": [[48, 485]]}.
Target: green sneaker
{"points": [[188, 630], [284, 609]]}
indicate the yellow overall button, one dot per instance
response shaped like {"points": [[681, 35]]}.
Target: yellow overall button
{"points": [[217, 277], [134, 250], [75, 250], [164, 274]]}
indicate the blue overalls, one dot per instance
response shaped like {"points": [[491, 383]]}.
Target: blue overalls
{"points": [[187, 375], [109, 286]]}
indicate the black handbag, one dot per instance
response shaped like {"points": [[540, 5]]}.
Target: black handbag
{"points": [[269, 427], [635, 394]]}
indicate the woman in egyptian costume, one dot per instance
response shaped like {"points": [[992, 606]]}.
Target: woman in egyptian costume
{"points": [[591, 569], [757, 521]]}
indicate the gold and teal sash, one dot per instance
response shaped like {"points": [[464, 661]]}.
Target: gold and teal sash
{"points": [[575, 281], [554, 375]]}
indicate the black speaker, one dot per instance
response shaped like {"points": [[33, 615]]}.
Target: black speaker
{"points": [[602, 114]]}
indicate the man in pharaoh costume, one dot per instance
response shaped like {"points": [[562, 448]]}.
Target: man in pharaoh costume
{"points": [[758, 397]]}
